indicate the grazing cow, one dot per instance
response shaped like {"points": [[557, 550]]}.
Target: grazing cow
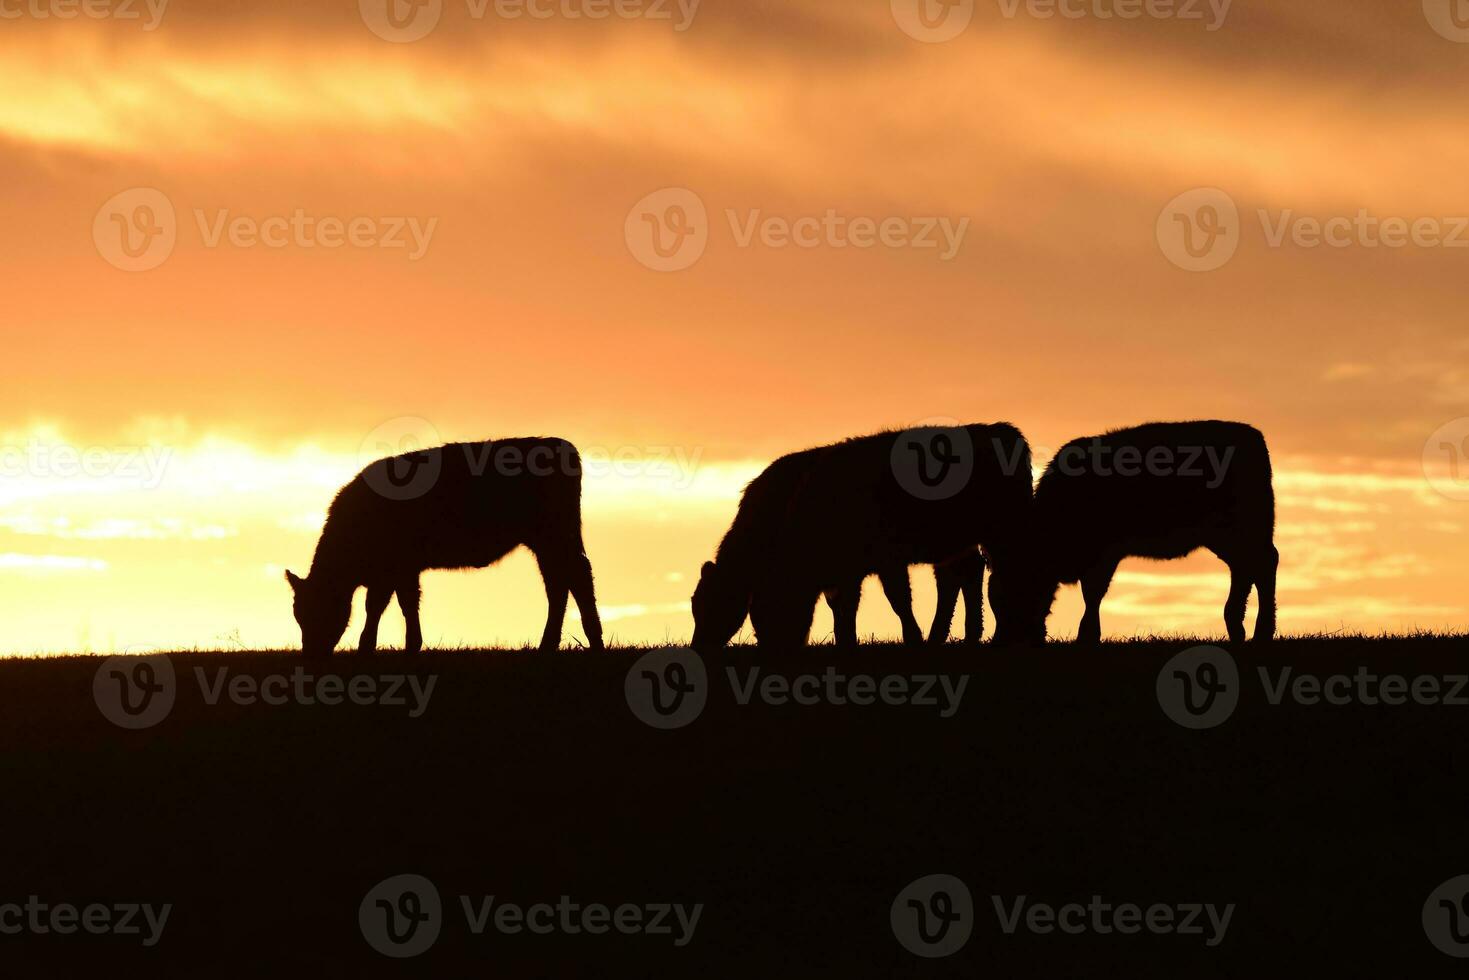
{"points": [[1158, 491], [462, 505], [820, 521]]}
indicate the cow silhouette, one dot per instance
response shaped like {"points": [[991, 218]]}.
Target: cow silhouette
{"points": [[1161, 491], [819, 521], [462, 505], [963, 575]]}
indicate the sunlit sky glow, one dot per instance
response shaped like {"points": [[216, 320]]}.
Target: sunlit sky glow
{"points": [[222, 397]]}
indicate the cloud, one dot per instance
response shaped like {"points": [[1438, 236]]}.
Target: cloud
{"points": [[11, 561]]}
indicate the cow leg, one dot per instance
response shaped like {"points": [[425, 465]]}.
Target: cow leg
{"points": [[1265, 584], [973, 587], [1240, 582], [378, 597], [584, 591], [946, 582], [556, 577], [803, 614], [408, 599], [964, 575], [899, 590], [1094, 586], [844, 600]]}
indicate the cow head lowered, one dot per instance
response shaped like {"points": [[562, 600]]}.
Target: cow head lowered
{"points": [[321, 612], [720, 606], [1023, 585], [1022, 595]]}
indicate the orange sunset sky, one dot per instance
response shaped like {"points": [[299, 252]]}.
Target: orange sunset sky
{"points": [[172, 435]]}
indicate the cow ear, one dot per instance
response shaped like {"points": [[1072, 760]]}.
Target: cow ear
{"points": [[294, 579], [706, 571]]}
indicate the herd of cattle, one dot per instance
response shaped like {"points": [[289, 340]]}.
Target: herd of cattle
{"points": [[818, 522]]}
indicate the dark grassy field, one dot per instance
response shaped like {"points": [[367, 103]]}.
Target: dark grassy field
{"points": [[528, 777]]}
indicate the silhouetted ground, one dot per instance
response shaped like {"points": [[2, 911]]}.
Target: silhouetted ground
{"points": [[528, 777]]}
